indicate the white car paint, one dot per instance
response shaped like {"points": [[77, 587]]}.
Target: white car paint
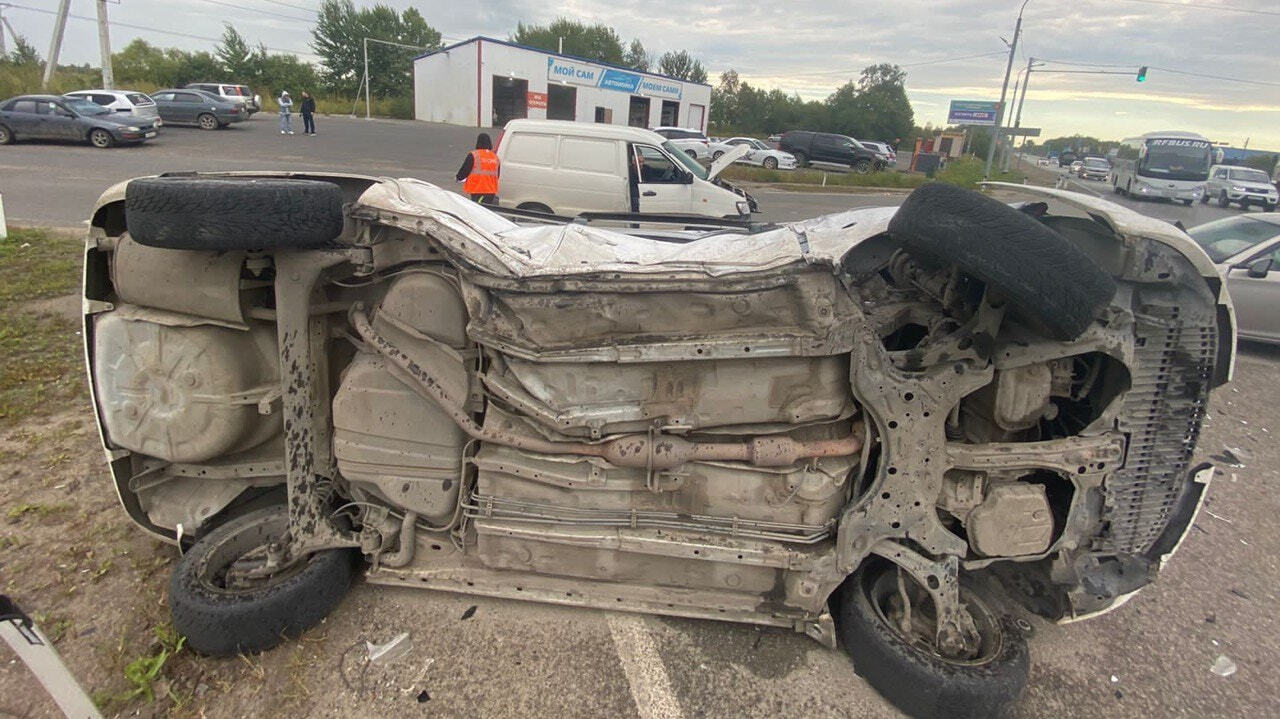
{"points": [[760, 150]]}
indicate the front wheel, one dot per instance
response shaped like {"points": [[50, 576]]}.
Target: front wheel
{"points": [[1204, 198], [899, 656], [225, 601], [770, 163], [716, 155], [802, 160], [1223, 200], [101, 138], [208, 122], [691, 154], [1268, 208]]}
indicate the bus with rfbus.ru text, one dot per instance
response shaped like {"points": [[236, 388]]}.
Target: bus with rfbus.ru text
{"points": [[1171, 164]]}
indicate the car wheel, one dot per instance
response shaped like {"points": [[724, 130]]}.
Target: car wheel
{"points": [[208, 122], [691, 153], [1048, 281], [192, 213], [716, 155], [224, 607], [1223, 201], [6, 136], [1204, 198], [908, 669], [861, 167], [770, 163], [1268, 208], [802, 160], [535, 207], [100, 138], [1187, 203]]}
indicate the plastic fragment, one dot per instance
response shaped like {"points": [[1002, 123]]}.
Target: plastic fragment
{"points": [[1114, 679], [391, 651], [1223, 666]]}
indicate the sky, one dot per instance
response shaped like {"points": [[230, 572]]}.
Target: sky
{"points": [[812, 46]]}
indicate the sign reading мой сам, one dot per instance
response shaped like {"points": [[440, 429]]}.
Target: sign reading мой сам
{"points": [[581, 73]]}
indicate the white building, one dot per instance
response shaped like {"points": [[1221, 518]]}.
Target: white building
{"points": [[484, 82]]}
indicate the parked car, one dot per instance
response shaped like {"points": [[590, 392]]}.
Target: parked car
{"points": [[865, 417], [691, 142], [568, 168], [1246, 249], [827, 148], [196, 107], [882, 150], [231, 93], [1243, 185], [1094, 168], [762, 154], [53, 117], [134, 103]]}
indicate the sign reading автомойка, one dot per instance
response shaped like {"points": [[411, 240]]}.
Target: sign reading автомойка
{"points": [[574, 72]]}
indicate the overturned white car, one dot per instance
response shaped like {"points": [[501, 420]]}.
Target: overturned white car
{"points": [[833, 425]]}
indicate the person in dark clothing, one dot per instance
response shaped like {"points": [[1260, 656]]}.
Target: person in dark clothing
{"points": [[308, 114], [479, 171]]}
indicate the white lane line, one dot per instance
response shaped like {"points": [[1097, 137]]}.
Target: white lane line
{"points": [[650, 687]]}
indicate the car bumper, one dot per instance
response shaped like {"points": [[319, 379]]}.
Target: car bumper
{"points": [[1095, 175], [1252, 197], [1168, 193]]}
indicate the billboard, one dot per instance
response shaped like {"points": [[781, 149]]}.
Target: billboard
{"points": [[972, 112]]}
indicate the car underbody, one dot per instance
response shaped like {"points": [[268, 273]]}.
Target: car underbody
{"points": [[726, 425]]}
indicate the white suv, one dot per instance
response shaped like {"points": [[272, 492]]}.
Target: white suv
{"points": [[1244, 185], [137, 104]]}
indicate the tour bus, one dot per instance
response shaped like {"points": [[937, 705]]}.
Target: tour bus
{"points": [[1169, 164]]}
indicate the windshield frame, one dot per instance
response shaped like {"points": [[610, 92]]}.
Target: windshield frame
{"points": [[684, 160]]}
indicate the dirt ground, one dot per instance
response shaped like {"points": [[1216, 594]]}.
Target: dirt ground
{"points": [[97, 586]]}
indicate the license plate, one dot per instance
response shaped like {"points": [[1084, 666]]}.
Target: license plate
{"points": [[149, 134]]}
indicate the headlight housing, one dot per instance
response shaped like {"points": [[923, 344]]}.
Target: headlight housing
{"points": [[132, 128], [744, 207]]}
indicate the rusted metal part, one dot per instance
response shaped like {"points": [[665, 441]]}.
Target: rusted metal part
{"points": [[655, 452], [308, 454], [957, 634]]}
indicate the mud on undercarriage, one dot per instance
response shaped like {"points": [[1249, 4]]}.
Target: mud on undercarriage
{"points": [[845, 416]]}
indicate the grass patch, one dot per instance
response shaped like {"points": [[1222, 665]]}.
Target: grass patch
{"points": [[40, 354], [37, 510], [145, 672]]}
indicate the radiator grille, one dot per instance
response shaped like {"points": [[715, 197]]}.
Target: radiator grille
{"points": [[1162, 415]]}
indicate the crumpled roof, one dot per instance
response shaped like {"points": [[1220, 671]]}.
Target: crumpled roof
{"points": [[502, 247]]}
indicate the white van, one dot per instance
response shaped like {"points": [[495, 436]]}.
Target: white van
{"points": [[568, 168]]}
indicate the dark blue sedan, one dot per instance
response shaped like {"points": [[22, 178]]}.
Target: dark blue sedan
{"points": [[51, 117]]}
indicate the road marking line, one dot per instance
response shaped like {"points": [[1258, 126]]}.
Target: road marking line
{"points": [[650, 687]]}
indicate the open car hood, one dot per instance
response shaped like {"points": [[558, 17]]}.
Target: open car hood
{"points": [[727, 159]]}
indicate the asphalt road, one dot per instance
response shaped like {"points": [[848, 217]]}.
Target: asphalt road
{"points": [[1152, 657]]}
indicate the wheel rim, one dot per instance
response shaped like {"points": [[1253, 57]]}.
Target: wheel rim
{"points": [[4, 136], [235, 561], [208, 122], [717, 156], [100, 138], [770, 163], [883, 593]]}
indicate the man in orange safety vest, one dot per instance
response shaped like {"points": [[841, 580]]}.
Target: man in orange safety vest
{"points": [[479, 171]]}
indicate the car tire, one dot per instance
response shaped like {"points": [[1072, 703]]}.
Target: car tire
{"points": [[222, 620], [1204, 198], [921, 682], [861, 167], [1186, 203], [1049, 282], [1223, 200], [208, 122], [691, 154], [716, 155], [770, 163], [1268, 208], [192, 213], [100, 138], [535, 207], [802, 160], [6, 136]]}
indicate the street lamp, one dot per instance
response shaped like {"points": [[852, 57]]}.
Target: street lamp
{"points": [[1004, 89]]}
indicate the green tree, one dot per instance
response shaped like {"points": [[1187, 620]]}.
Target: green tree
{"points": [[594, 42], [23, 54], [636, 57], [679, 64], [241, 62], [338, 38]]}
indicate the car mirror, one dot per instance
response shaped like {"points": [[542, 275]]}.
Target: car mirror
{"points": [[1259, 267], [686, 178]]}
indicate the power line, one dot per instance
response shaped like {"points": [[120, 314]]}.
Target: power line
{"points": [[1219, 8], [953, 59], [295, 7], [117, 23], [272, 13], [1216, 77]]}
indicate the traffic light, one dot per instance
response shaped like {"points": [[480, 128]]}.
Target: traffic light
{"points": [[1142, 74]]}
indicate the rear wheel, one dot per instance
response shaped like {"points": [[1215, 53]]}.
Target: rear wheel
{"points": [[802, 160], [861, 167], [6, 137], [896, 650], [100, 138], [208, 122], [691, 153], [770, 163], [226, 599]]}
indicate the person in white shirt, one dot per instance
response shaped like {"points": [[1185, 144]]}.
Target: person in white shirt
{"points": [[286, 113]]}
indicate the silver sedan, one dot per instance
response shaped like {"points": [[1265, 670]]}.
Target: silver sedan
{"points": [[1246, 249]]}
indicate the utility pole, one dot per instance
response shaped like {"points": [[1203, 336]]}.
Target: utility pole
{"points": [[55, 45], [104, 46], [5, 21], [366, 79], [3, 50], [1008, 69]]}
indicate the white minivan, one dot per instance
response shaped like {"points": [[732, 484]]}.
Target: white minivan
{"points": [[568, 168]]}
